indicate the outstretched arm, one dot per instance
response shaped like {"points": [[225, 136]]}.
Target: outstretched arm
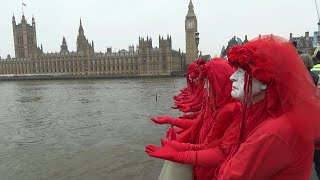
{"points": [[181, 123], [207, 158]]}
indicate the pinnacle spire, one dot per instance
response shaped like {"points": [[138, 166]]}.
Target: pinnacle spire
{"points": [[81, 28], [190, 3], [64, 46], [13, 19], [191, 10]]}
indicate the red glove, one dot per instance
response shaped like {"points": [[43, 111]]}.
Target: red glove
{"points": [[174, 107], [190, 107], [182, 146], [166, 152], [173, 136], [190, 116], [178, 103], [181, 123], [174, 131], [206, 158], [197, 107], [179, 130], [177, 98], [162, 120], [185, 109]]}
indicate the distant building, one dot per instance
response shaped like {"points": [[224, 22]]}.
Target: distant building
{"points": [[206, 57], [145, 60], [232, 42], [316, 39], [304, 44]]}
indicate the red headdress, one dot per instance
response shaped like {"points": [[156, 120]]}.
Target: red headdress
{"points": [[275, 61], [195, 68], [192, 70], [192, 67], [193, 73], [218, 72]]}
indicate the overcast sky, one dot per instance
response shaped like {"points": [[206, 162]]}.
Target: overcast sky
{"points": [[119, 23]]}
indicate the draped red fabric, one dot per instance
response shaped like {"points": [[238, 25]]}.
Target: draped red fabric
{"points": [[194, 101], [214, 118], [218, 72], [217, 94], [218, 87], [223, 124]]}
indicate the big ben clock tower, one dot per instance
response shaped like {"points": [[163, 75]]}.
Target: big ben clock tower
{"points": [[192, 36]]}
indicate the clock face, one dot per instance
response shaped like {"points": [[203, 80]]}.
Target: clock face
{"points": [[190, 24]]}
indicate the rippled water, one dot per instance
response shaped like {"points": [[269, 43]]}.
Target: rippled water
{"points": [[82, 129]]}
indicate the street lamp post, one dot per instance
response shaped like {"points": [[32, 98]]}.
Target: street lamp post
{"points": [[197, 42]]}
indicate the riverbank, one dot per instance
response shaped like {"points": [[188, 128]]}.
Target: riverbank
{"points": [[22, 78]]}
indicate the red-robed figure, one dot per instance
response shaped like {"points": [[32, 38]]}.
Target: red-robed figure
{"points": [[280, 107]]}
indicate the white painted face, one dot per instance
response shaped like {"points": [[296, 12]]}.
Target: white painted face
{"points": [[237, 79]]}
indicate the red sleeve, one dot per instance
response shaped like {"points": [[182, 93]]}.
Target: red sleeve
{"points": [[190, 116], [193, 103], [260, 157], [206, 158], [183, 123]]}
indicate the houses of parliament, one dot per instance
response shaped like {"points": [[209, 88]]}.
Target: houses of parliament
{"points": [[142, 60]]}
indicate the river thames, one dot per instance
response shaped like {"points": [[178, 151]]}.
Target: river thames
{"points": [[83, 129]]}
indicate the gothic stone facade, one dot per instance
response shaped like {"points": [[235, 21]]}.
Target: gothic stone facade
{"points": [[304, 43], [146, 60]]}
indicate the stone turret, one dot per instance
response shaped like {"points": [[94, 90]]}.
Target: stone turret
{"points": [[25, 38], [64, 46], [83, 45]]}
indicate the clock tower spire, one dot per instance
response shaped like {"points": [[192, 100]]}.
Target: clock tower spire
{"points": [[192, 35]]}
